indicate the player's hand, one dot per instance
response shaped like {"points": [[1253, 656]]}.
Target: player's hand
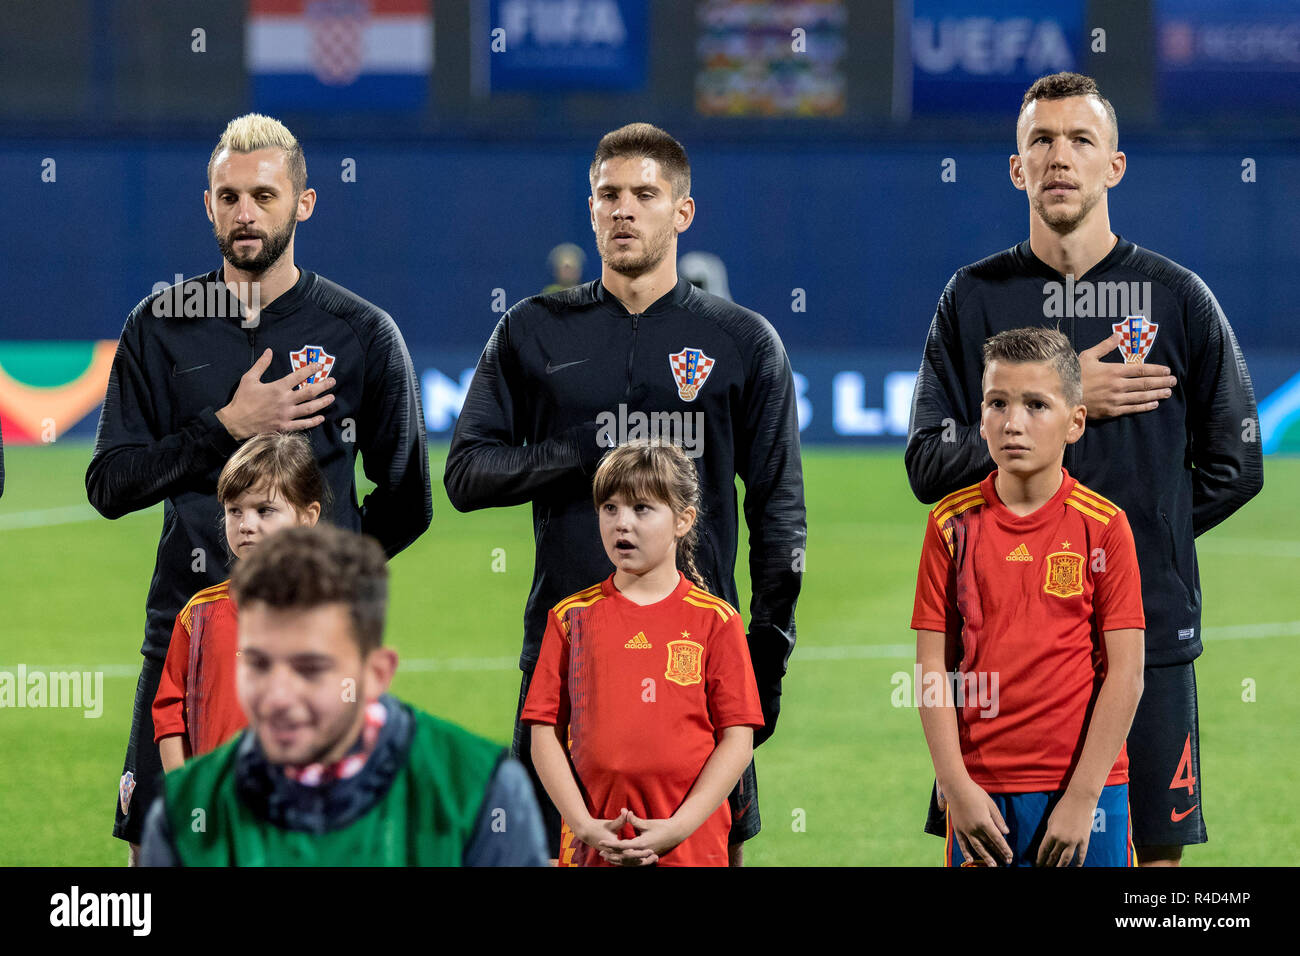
{"points": [[274, 406], [596, 833], [1117, 388], [1069, 829], [653, 839], [978, 825], [939, 798]]}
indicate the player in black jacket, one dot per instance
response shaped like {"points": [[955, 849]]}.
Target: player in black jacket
{"points": [[186, 389], [1175, 443], [639, 353]]}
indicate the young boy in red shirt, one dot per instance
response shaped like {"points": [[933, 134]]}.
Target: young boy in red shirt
{"points": [[1030, 632], [272, 481]]}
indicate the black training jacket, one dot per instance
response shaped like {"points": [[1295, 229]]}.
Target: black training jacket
{"points": [[159, 438], [550, 383], [1176, 471]]}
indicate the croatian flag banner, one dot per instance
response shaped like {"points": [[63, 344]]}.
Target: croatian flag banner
{"points": [[362, 55]]}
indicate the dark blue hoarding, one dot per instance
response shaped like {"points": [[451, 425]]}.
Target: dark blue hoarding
{"points": [[969, 55], [564, 45]]}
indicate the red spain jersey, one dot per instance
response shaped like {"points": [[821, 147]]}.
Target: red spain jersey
{"points": [[645, 691], [196, 693], [1024, 602]]}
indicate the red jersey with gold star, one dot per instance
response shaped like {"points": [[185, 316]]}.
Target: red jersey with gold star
{"points": [[645, 691], [1025, 601]]}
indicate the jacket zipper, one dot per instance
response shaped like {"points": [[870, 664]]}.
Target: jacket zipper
{"points": [[1068, 461], [631, 352], [252, 346]]}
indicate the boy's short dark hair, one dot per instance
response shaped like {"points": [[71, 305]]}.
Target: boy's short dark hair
{"points": [[1019, 346], [1059, 86], [305, 568], [642, 139]]}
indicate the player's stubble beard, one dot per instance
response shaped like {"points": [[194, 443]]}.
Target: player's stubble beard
{"points": [[336, 728], [273, 246], [346, 727], [1060, 220], [656, 249]]}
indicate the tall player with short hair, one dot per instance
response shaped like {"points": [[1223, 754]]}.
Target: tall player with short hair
{"points": [[185, 390], [568, 375], [1172, 425]]}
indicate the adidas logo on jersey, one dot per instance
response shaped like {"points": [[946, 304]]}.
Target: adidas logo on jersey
{"points": [[639, 643], [1020, 554]]}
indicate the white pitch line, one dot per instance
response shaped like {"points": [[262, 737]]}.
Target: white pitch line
{"points": [[1258, 547], [425, 664], [1239, 632], [49, 517], [845, 652], [849, 652], [73, 514], [108, 670], [78, 514]]}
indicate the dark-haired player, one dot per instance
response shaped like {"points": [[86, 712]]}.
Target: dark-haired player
{"points": [[641, 353], [1172, 432], [331, 770]]}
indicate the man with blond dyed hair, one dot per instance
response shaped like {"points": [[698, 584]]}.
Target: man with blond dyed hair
{"points": [[258, 345]]}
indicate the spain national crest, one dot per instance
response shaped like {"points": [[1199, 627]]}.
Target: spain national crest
{"points": [[1064, 574], [685, 660], [1139, 335], [690, 369], [309, 354]]}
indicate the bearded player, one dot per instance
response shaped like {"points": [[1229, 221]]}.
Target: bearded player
{"points": [[187, 388]]}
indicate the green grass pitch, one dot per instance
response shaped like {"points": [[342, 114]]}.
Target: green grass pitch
{"points": [[844, 781]]}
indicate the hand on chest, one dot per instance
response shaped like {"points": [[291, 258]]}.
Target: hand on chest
{"points": [[206, 371]]}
